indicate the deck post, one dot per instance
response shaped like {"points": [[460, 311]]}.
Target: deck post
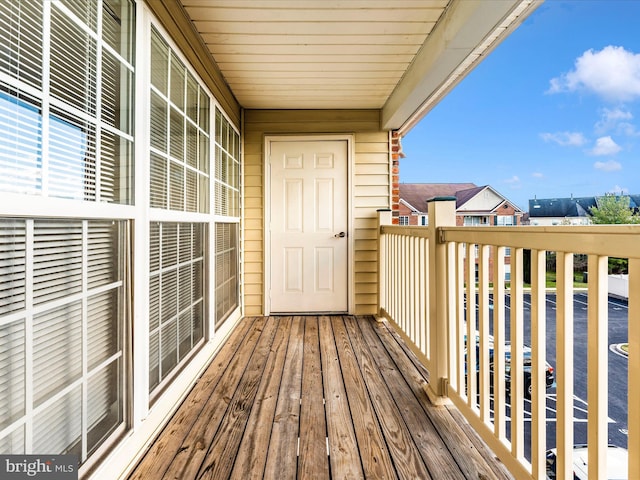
{"points": [[442, 213], [384, 218]]}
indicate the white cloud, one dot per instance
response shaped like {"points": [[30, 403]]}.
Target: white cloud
{"points": [[537, 175], [614, 119], [608, 166], [565, 139], [605, 146], [618, 190], [612, 73], [513, 182]]}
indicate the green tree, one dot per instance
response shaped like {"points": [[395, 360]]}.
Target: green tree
{"points": [[613, 209]]}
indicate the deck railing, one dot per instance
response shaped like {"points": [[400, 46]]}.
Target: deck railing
{"points": [[436, 302]]}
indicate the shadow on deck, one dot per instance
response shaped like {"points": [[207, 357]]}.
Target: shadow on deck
{"points": [[315, 397]]}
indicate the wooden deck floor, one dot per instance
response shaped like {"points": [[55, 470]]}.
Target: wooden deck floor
{"points": [[315, 397]]}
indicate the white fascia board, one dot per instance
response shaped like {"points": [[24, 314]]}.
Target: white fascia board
{"points": [[468, 31]]}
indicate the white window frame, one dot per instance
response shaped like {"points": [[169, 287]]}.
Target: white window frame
{"points": [[35, 206], [144, 419], [144, 412]]}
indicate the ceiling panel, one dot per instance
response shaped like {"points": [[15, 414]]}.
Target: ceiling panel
{"points": [[274, 54], [400, 56]]}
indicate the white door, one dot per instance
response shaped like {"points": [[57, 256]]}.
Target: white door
{"points": [[308, 233]]}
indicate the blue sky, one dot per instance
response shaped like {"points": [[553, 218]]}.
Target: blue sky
{"points": [[553, 111]]}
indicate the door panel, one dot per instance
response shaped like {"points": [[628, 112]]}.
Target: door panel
{"points": [[308, 205]]}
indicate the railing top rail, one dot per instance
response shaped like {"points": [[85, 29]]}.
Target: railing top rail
{"points": [[409, 231], [610, 240]]}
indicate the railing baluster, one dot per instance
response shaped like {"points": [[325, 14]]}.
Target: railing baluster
{"points": [[564, 366], [423, 292], [395, 310], [483, 328], [460, 317], [597, 377], [472, 363], [498, 344], [516, 328], [634, 368], [452, 314], [427, 296], [538, 350]]}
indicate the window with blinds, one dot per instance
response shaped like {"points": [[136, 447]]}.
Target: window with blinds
{"points": [[226, 204], [176, 296], [62, 360], [226, 284], [179, 118], [227, 168], [81, 120], [179, 182], [66, 131]]}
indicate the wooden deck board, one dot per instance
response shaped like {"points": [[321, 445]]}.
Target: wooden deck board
{"points": [[343, 447], [191, 454], [315, 397], [313, 461], [159, 458], [220, 457], [404, 452], [422, 430], [376, 460], [282, 459], [471, 462], [252, 453]]}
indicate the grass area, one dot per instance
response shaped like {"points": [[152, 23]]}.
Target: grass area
{"points": [[577, 280], [550, 281]]}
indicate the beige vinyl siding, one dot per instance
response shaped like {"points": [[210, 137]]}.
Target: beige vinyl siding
{"points": [[371, 190]]}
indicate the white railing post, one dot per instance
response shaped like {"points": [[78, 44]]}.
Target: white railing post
{"points": [[384, 218], [442, 213]]}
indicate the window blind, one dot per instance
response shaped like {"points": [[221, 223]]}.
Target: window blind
{"points": [[21, 35], [227, 281], [176, 296], [77, 306], [76, 117], [179, 134], [227, 203]]}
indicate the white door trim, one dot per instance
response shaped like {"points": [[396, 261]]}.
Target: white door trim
{"points": [[268, 139]]}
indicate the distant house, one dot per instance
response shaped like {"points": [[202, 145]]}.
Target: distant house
{"points": [[567, 211], [475, 206]]}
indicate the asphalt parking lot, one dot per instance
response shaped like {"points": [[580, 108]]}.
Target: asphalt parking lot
{"points": [[618, 388]]}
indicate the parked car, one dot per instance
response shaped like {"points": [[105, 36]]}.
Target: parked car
{"points": [[526, 358], [526, 354], [617, 463]]}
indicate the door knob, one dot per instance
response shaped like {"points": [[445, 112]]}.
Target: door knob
{"points": [[341, 235]]}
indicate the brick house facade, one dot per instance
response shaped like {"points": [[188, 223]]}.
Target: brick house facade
{"points": [[481, 206]]}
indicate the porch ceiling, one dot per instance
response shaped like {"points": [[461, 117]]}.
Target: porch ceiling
{"points": [[401, 56]]}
